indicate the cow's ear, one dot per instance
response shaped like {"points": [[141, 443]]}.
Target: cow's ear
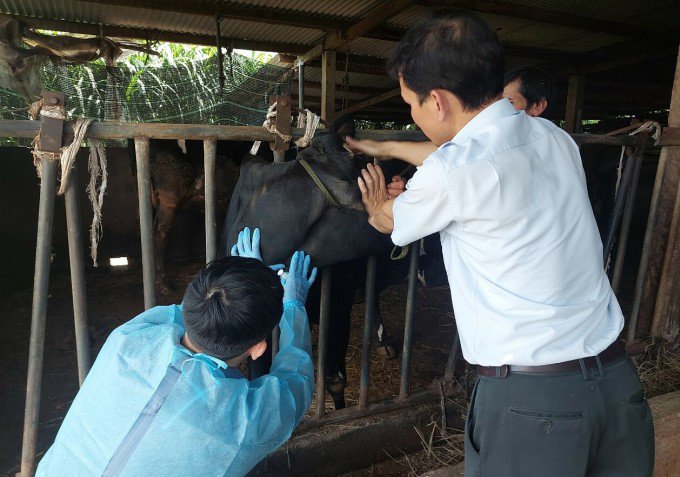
{"points": [[340, 128]]}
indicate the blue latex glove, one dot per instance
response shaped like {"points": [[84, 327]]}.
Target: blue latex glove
{"points": [[297, 284], [244, 247]]}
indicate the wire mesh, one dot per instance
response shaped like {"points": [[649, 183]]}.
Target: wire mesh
{"points": [[185, 92]]}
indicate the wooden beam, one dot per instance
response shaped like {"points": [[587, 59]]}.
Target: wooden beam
{"points": [[572, 119], [644, 318], [370, 102], [160, 35], [626, 58], [357, 63], [230, 10], [373, 19], [554, 17], [350, 89], [666, 319], [328, 85]]}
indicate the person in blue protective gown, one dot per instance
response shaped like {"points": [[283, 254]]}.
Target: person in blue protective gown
{"points": [[165, 395]]}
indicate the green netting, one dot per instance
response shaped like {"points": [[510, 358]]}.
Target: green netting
{"points": [[184, 92]]}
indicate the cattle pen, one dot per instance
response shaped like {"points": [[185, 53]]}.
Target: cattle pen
{"points": [[653, 314]]}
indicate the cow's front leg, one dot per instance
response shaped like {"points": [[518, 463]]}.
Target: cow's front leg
{"points": [[338, 339], [385, 346], [162, 222]]}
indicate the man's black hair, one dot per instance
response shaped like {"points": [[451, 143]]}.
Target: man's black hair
{"points": [[535, 83], [454, 51], [232, 304]]}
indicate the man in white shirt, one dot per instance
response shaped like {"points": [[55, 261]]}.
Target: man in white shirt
{"points": [[534, 309]]}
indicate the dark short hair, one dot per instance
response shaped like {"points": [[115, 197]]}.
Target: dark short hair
{"points": [[535, 83], [232, 304], [453, 51]]}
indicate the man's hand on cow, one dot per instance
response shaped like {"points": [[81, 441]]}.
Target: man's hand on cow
{"points": [[396, 187], [368, 147], [245, 247], [373, 191]]}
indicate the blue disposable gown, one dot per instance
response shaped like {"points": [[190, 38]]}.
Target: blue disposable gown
{"points": [[209, 424]]}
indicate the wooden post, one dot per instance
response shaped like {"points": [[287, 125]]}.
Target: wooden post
{"points": [[572, 119], [655, 278], [328, 85], [666, 322], [283, 112]]}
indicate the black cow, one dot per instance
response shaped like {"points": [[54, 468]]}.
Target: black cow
{"points": [[292, 213]]}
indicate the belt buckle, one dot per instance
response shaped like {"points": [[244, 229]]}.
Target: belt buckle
{"points": [[502, 371]]}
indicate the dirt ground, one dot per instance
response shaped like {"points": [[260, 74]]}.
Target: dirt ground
{"points": [[115, 296]]}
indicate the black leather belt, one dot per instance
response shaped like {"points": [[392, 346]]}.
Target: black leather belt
{"points": [[614, 352]]}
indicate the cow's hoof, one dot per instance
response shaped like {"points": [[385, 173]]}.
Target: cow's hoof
{"points": [[335, 385], [386, 351]]}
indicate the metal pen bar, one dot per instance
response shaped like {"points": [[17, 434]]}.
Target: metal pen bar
{"points": [[77, 264], [142, 154], [453, 357], [324, 318], [638, 157], [369, 317], [618, 208], [301, 84], [276, 332], [410, 314], [36, 348], [209, 151]]}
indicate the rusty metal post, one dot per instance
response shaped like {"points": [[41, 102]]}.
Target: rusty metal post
{"points": [[77, 264], [276, 333], [618, 208], [324, 318], [638, 158], [410, 314], [301, 84], [453, 357], [51, 132], [142, 154], [209, 151], [369, 317]]}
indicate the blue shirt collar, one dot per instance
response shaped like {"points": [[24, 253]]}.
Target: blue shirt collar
{"points": [[497, 110], [211, 361]]}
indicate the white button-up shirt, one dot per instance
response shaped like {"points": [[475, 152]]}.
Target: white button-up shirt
{"points": [[521, 247]]}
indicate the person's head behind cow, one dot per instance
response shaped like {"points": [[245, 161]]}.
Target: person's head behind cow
{"points": [[231, 306], [529, 89], [449, 66]]}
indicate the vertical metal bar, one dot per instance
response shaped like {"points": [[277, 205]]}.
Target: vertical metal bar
{"points": [[41, 279], [301, 84], [619, 202], [209, 151], [638, 157], [410, 314], [77, 263], [324, 318], [453, 357], [369, 317], [279, 156], [276, 332], [142, 154]]}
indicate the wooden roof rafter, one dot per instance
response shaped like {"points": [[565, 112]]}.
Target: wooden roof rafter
{"points": [[543, 15]]}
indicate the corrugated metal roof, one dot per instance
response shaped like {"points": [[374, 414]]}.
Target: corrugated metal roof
{"points": [[652, 14]]}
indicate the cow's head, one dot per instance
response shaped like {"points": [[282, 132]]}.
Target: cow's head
{"points": [[331, 142]]}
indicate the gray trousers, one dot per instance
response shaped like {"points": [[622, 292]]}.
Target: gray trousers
{"points": [[560, 424]]}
